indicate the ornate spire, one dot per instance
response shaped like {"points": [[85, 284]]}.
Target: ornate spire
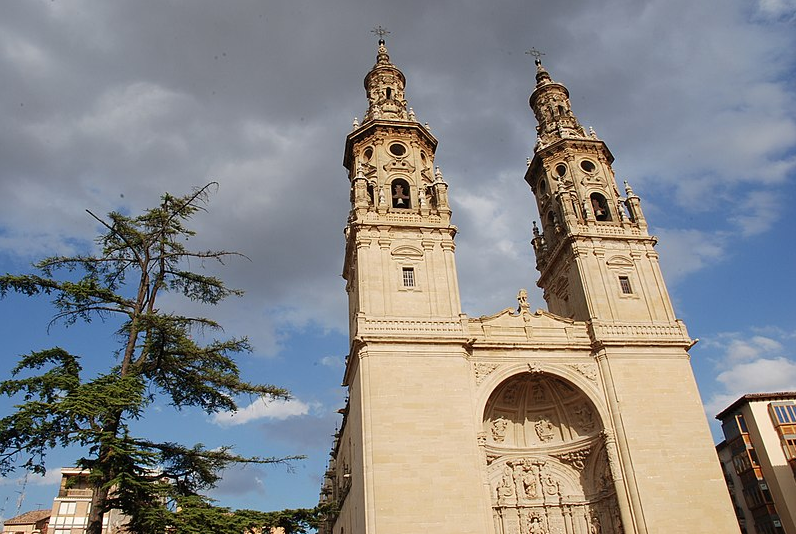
{"points": [[551, 106], [384, 85]]}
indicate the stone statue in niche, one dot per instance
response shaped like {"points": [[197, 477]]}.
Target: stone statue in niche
{"points": [[585, 416], [499, 426], [544, 429], [505, 489], [529, 475], [536, 526]]}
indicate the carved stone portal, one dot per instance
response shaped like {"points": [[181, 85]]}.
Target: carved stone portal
{"points": [[546, 459]]}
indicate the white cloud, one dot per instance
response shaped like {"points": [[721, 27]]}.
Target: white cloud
{"points": [[333, 361], [778, 9], [53, 477], [749, 364], [684, 251], [756, 213], [263, 409], [739, 349], [761, 375]]}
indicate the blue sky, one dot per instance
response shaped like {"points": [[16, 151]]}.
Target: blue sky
{"points": [[107, 105]]}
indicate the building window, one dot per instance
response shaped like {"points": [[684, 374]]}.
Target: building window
{"points": [[67, 508], [783, 414], [409, 276], [624, 283], [741, 423]]}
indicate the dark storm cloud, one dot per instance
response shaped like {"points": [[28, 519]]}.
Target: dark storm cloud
{"points": [[106, 105]]}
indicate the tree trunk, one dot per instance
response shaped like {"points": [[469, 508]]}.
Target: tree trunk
{"points": [[99, 496]]}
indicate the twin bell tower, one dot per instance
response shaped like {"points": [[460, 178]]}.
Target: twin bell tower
{"points": [[582, 419]]}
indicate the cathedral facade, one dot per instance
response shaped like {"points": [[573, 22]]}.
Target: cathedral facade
{"points": [[581, 419]]}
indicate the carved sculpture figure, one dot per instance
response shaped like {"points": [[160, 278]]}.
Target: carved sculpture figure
{"points": [[505, 489], [535, 526], [529, 485], [544, 429], [522, 297], [585, 416], [499, 426]]}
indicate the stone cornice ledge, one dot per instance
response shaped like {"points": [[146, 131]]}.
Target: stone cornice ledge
{"points": [[624, 334]]}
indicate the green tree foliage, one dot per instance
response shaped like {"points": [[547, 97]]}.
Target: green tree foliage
{"points": [[141, 258]]}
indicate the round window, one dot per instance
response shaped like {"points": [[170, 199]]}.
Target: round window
{"points": [[587, 166], [561, 169], [543, 187], [368, 153], [397, 149]]}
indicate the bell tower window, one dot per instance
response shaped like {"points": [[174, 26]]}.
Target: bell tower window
{"points": [[400, 194], [397, 149], [600, 207], [409, 277], [624, 284]]}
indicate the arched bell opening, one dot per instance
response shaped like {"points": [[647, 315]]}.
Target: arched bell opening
{"points": [[600, 207], [401, 195], [546, 459]]}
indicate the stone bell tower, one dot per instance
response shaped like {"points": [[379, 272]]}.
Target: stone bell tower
{"points": [[594, 254], [584, 419], [406, 457]]}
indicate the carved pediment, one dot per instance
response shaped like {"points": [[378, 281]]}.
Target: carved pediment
{"points": [[407, 252], [619, 261], [510, 326], [509, 317]]}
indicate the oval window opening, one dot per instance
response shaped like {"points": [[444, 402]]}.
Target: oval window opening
{"points": [[397, 149]]}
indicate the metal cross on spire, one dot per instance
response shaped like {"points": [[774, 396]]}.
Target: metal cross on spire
{"points": [[381, 32], [536, 54]]}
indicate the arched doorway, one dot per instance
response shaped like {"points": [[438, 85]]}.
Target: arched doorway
{"points": [[547, 467]]}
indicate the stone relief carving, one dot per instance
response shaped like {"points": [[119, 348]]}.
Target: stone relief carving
{"points": [[510, 393], [550, 484], [553, 471], [506, 488], [544, 429], [576, 459], [484, 369], [538, 392], [588, 370], [535, 524], [585, 416], [535, 368], [499, 426], [529, 486]]}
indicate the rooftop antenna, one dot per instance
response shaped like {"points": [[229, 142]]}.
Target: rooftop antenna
{"points": [[21, 499]]}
